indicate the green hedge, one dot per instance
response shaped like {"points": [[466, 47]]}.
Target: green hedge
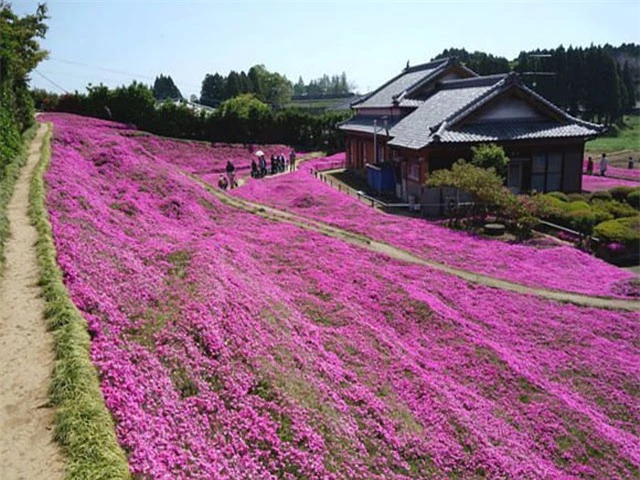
{"points": [[633, 199], [83, 425], [559, 196], [622, 230], [581, 215], [615, 208], [620, 193]]}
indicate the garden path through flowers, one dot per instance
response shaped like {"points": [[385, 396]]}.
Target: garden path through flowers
{"points": [[26, 354], [406, 256]]}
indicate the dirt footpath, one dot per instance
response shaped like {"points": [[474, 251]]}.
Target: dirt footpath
{"points": [[27, 449]]}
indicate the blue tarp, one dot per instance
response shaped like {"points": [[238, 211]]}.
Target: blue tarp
{"points": [[380, 178]]}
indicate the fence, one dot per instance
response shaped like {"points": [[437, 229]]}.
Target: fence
{"points": [[448, 199]]}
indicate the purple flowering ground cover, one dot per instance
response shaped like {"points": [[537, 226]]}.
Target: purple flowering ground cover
{"points": [[595, 183], [613, 171], [560, 268], [231, 346]]}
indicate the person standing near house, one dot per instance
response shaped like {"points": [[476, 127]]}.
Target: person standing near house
{"points": [[604, 162], [292, 161], [590, 166], [230, 174]]}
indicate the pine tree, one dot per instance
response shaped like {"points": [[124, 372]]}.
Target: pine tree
{"points": [[213, 90]]}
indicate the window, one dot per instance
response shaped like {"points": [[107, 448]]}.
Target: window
{"points": [[546, 172], [538, 164], [414, 172], [554, 172]]}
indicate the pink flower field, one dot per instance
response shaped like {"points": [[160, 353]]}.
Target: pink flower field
{"points": [[232, 346], [558, 268], [594, 183], [618, 172]]}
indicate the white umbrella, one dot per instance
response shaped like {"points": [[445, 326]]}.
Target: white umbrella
{"points": [[259, 153]]}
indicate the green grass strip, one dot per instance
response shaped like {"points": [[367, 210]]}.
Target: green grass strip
{"points": [[83, 426], [8, 184]]}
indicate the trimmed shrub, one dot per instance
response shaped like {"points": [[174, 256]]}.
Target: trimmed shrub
{"points": [[621, 193], [559, 195], [582, 221], [576, 196], [623, 230], [633, 199], [615, 208], [601, 195], [577, 206]]}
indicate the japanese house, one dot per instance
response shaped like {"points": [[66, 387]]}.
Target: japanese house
{"points": [[432, 114]]}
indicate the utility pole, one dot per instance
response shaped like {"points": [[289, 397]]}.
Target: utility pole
{"points": [[535, 72]]}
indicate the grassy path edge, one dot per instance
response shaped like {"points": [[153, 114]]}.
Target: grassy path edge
{"points": [[7, 186], [83, 425]]}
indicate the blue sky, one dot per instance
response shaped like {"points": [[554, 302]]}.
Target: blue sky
{"points": [[370, 41]]}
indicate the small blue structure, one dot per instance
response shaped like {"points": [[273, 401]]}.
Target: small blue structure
{"points": [[381, 178]]}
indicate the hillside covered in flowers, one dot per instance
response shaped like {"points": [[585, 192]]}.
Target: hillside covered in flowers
{"points": [[234, 346]]}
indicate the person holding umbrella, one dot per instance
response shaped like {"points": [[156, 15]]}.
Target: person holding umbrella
{"points": [[262, 163]]}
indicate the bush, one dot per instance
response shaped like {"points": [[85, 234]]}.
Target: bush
{"points": [[621, 193], [559, 195], [601, 195], [623, 230], [615, 208], [490, 155], [581, 221], [633, 199], [578, 205], [576, 196]]}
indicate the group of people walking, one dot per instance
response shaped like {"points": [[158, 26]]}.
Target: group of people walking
{"points": [[604, 163], [278, 164]]}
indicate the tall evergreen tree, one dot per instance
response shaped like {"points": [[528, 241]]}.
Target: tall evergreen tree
{"points": [[300, 88], [627, 80], [213, 91], [164, 88]]}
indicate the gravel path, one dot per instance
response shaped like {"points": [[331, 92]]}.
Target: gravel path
{"points": [[27, 449]]}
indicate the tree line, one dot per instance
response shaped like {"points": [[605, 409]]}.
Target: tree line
{"points": [[241, 119], [272, 88], [268, 87], [20, 53], [335, 85], [598, 83]]}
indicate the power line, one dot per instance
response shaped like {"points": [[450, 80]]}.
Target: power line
{"points": [[110, 70], [51, 81], [118, 72]]}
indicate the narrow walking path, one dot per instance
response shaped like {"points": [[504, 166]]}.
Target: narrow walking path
{"points": [[27, 449], [406, 256]]}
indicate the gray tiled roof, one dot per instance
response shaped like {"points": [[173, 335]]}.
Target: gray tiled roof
{"points": [[436, 117], [364, 124], [501, 131], [411, 102], [416, 128], [384, 96]]}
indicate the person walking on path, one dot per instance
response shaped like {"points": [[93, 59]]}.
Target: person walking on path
{"points": [[263, 165], [230, 174], [631, 163], [292, 161], [590, 166], [604, 162]]}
